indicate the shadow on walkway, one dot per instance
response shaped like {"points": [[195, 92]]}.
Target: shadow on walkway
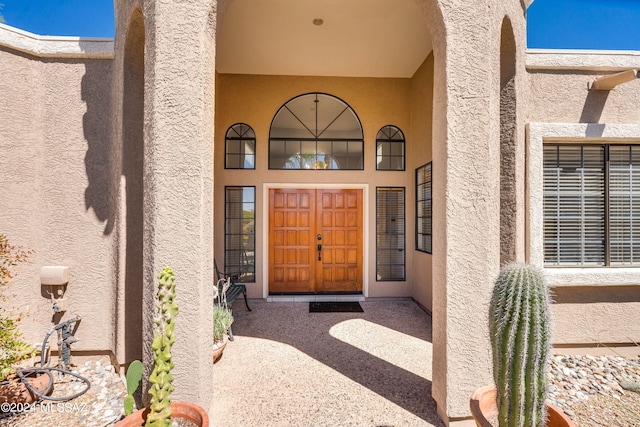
{"points": [[291, 367]]}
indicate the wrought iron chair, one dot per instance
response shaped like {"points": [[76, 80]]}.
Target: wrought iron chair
{"points": [[229, 290]]}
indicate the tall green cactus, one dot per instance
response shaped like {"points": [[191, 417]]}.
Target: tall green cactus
{"points": [[520, 327], [164, 337]]}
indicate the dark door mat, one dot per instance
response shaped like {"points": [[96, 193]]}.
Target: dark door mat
{"points": [[335, 307]]}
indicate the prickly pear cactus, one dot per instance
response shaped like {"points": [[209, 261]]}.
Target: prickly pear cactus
{"points": [[134, 375], [164, 337], [520, 329]]}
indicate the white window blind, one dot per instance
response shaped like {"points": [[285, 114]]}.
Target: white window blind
{"points": [[390, 234], [574, 205], [624, 204], [591, 205]]}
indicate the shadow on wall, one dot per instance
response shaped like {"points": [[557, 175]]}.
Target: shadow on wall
{"points": [[595, 295], [108, 163], [593, 106], [133, 171], [101, 192]]}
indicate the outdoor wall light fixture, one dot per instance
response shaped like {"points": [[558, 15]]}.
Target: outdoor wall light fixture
{"points": [[318, 21], [54, 279]]}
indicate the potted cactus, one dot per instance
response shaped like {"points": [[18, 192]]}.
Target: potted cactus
{"points": [[520, 329], [161, 410]]}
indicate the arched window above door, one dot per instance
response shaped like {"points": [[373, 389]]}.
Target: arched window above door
{"points": [[240, 147], [316, 131]]}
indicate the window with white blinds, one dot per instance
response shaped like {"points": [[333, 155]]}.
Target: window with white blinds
{"points": [[390, 234], [624, 205], [591, 205]]}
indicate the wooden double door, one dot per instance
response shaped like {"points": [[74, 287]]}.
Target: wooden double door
{"points": [[315, 240]]}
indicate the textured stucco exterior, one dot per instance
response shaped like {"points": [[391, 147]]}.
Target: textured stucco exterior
{"points": [[590, 303], [421, 93], [177, 178], [466, 252], [563, 96], [56, 46], [113, 164], [55, 119]]}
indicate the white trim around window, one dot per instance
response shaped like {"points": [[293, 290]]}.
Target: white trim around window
{"points": [[583, 133]]}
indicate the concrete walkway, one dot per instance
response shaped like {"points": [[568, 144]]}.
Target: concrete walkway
{"points": [[289, 367]]}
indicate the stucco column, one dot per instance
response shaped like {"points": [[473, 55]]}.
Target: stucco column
{"points": [[178, 182], [466, 152]]}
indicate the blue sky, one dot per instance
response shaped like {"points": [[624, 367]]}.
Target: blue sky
{"points": [[584, 24], [551, 24], [89, 18]]}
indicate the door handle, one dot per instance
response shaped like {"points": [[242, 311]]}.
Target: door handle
{"points": [[319, 252]]}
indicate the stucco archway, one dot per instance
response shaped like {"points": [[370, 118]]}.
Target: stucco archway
{"points": [[168, 68], [131, 218], [508, 143], [465, 131], [432, 14]]}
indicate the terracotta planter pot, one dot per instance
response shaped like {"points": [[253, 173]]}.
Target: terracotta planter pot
{"points": [[483, 406], [218, 348], [14, 391], [185, 410]]}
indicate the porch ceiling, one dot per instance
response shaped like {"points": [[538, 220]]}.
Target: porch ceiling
{"points": [[358, 38]]}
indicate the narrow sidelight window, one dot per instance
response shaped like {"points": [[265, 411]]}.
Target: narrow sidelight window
{"points": [[390, 234], [423, 208], [239, 232]]}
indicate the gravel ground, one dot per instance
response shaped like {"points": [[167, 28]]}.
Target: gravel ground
{"points": [[606, 411], [572, 389], [100, 406], [593, 391]]}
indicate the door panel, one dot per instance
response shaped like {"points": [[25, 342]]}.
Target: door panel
{"points": [[296, 218], [341, 230], [291, 218]]}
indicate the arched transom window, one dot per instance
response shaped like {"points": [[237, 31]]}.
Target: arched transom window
{"points": [[240, 147], [390, 149], [316, 131]]}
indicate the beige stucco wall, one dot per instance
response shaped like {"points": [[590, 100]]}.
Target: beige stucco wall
{"points": [[127, 152], [596, 305], [596, 315], [56, 198], [378, 102], [466, 155], [57, 115], [177, 174], [592, 305], [421, 97], [561, 95]]}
